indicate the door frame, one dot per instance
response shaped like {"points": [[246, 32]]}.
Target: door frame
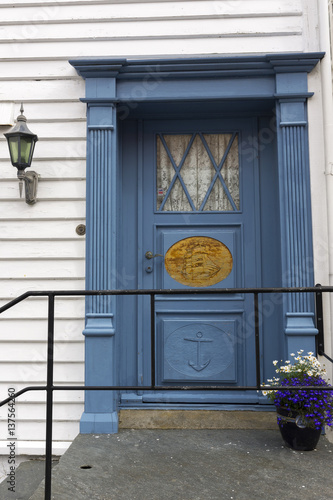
{"points": [[119, 87]]}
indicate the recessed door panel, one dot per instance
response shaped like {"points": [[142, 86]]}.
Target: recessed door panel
{"points": [[196, 348], [205, 257]]}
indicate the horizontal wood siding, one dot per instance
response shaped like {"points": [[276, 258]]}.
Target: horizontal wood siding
{"points": [[39, 247], [330, 14]]}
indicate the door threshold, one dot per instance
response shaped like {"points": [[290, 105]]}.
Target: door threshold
{"points": [[152, 418]]}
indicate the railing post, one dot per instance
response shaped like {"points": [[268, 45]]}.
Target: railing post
{"points": [[152, 330], [257, 338], [49, 398], [320, 321]]}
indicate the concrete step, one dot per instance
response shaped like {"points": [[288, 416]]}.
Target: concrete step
{"points": [[197, 419]]}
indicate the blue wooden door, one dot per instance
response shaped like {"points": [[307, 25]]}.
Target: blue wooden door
{"points": [[198, 226]]}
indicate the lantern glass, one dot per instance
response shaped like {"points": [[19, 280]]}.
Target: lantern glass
{"points": [[26, 149], [13, 143]]}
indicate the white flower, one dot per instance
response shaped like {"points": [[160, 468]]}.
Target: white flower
{"points": [[292, 354], [310, 353], [287, 362], [275, 362]]}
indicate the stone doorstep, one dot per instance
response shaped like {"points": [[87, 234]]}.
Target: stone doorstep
{"points": [[197, 419]]}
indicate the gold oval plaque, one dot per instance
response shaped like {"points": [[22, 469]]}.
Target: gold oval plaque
{"points": [[198, 261]]}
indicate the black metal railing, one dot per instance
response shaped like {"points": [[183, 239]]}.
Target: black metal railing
{"points": [[50, 387]]}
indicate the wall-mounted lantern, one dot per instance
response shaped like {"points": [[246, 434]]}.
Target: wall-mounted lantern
{"points": [[21, 143]]}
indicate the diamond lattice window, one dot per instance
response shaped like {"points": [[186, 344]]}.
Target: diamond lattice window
{"points": [[197, 172]]}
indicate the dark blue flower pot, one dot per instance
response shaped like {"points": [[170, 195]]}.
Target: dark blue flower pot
{"points": [[294, 432]]}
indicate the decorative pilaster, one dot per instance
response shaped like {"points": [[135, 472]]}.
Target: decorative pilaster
{"points": [[295, 212], [100, 415]]}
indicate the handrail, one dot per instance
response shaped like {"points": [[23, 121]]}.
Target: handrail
{"points": [[50, 387]]}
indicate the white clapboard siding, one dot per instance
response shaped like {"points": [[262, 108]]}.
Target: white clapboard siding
{"points": [[99, 10], [101, 28], [63, 209], [36, 307], [65, 330], [210, 43], [51, 110], [66, 308], [47, 189], [55, 89], [35, 228], [39, 397], [67, 411], [158, 29], [64, 351], [58, 146], [39, 247], [53, 168], [43, 269], [63, 430], [29, 412], [11, 288], [56, 168], [6, 114], [66, 373], [330, 14], [63, 129], [58, 69]]}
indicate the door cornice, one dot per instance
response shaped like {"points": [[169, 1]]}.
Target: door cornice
{"points": [[199, 66], [196, 79]]}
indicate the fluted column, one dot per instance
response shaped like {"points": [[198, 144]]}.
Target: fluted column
{"points": [[295, 216], [100, 415]]}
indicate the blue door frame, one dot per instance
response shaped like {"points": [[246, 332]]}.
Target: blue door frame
{"points": [[121, 89]]}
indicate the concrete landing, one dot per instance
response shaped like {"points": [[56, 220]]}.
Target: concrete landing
{"points": [[191, 465]]}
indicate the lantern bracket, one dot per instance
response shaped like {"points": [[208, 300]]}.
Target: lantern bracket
{"points": [[30, 180]]}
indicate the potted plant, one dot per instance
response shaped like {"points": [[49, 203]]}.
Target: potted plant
{"points": [[301, 413]]}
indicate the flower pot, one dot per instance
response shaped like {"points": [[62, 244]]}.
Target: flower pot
{"points": [[294, 431]]}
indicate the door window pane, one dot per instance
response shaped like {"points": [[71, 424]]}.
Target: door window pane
{"points": [[197, 172]]}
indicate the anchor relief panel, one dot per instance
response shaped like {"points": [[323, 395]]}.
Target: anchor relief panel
{"points": [[193, 350]]}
